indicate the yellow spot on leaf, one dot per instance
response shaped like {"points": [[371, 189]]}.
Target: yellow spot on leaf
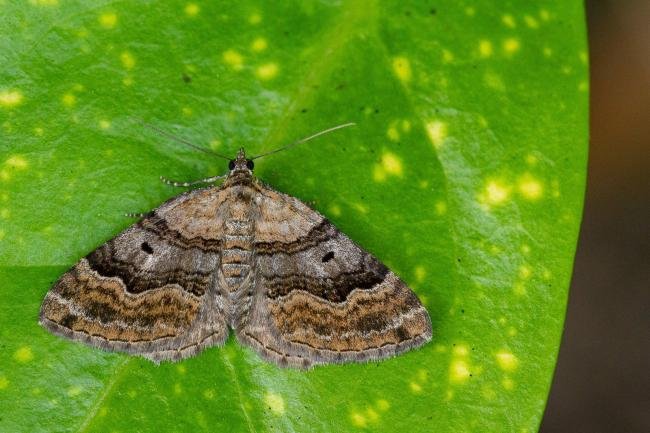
{"points": [[127, 81], [437, 132], [420, 273], [508, 384], [507, 361], [108, 20], [531, 22], [460, 350], [508, 21], [259, 44], [495, 193], [525, 272], [16, 161], [392, 134], [511, 45], [267, 71], [383, 405], [390, 165], [233, 59], [275, 402], [74, 391], [181, 369], [447, 56], [458, 371], [360, 207], [127, 59], [548, 52], [192, 9], [519, 289], [470, 11], [24, 354], [44, 2], [441, 207], [530, 187], [4, 382], [544, 15], [402, 69], [358, 419], [10, 98], [449, 394], [5, 213], [104, 124], [494, 81], [488, 393], [178, 388], [335, 210], [2, 234], [208, 394], [416, 388], [255, 18], [531, 159], [485, 48], [69, 100], [371, 414]]}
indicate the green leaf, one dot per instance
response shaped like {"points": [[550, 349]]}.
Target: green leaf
{"points": [[465, 175]]}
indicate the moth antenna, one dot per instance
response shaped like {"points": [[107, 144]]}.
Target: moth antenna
{"points": [[302, 140], [179, 140]]}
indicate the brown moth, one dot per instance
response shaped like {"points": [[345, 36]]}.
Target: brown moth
{"points": [[237, 256]]}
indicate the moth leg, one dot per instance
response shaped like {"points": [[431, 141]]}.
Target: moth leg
{"points": [[196, 182], [137, 214]]}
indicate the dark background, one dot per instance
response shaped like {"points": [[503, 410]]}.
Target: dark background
{"points": [[602, 379]]}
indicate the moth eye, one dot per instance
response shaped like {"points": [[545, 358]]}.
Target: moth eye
{"points": [[231, 164], [327, 257], [146, 248], [250, 164]]}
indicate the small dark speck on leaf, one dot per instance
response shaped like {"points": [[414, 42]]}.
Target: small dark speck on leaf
{"points": [[187, 78], [304, 110], [433, 11]]}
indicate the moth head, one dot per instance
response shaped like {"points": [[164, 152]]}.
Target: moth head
{"points": [[241, 163]]}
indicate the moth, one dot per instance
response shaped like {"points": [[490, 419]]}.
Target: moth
{"points": [[240, 256]]}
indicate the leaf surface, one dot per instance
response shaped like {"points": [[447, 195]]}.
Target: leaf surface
{"points": [[465, 175]]}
